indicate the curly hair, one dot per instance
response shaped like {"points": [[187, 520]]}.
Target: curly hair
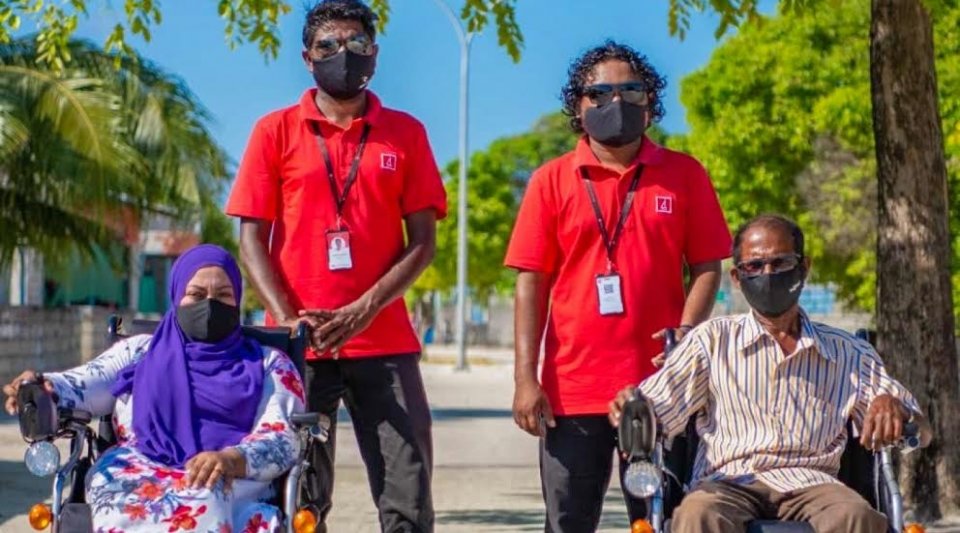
{"points": [[581, 68], [327, 11]]}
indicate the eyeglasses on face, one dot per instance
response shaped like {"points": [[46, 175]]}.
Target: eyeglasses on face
{"points": [[358, 44], [602, 93], [777, 264]]}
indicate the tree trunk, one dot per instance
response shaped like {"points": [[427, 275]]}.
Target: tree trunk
{"points": [[915, 319]]}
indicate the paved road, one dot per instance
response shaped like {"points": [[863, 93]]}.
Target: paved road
{"points": [[485, 478]]}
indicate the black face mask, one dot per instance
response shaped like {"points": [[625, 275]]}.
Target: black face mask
{"points": [[343, 75], [772, 295], [615, 124], [208, 320]]}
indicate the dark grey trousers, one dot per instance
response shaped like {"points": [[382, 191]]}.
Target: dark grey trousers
{"points": [[391, 419], [576, 461]]}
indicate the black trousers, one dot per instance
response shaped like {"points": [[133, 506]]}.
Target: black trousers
{"points": [[391, 419], [576, 460]]}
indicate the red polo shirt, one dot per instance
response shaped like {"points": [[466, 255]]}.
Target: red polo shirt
{"points": [[675, 218], [282, 178]]}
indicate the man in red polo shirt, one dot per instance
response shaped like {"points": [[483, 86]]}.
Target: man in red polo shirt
{"points": [[600, 243], [339, 198]]}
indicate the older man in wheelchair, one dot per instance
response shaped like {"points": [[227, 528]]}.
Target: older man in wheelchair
{"points": [[772, 398], [204, 426]]}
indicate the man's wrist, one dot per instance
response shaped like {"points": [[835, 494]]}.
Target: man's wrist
{"points": [[909, 416], [373, 300], [525, 375], [283, 316]]}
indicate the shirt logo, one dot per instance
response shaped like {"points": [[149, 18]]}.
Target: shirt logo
{"points": [[388, 161], [664, 204]]}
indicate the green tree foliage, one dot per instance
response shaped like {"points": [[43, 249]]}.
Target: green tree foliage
{"points": [[781, 117], [253, 22], [496, 180], [82, 146]]}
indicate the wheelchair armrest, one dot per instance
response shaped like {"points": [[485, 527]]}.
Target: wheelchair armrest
{"points": [[300, 420], [311, 426], [76, 415]]}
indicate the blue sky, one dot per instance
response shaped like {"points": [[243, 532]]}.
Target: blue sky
{"points": [[419, 63]]}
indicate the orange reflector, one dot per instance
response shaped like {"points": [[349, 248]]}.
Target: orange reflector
{"points": [[641, 526], [304, 521], [914, 528], [40, 517]]}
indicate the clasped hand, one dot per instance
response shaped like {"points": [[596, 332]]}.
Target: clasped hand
{"points": [[330, 329]]}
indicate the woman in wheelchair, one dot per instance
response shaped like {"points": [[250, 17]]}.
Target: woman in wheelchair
{"points": [[772, 393], [201, 412]]}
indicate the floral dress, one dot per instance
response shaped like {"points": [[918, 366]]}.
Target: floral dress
{"points": [[127, 492]]}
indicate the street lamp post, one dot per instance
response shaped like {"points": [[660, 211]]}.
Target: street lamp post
{"points": [[465, 38]]}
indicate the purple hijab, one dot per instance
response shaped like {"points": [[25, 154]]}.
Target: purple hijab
{"points": [[191, 397]]}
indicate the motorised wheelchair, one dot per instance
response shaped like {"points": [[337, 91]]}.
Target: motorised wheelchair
{"points": [[660, 473], [42, 422]]}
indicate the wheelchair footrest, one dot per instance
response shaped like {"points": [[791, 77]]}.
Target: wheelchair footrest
{"points": [[75, 518]]}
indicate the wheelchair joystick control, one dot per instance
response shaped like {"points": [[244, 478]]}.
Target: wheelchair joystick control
{"points": [[910, 438], [37, 412], [637, 442], [669, 340]]}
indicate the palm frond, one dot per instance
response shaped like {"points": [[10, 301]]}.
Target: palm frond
{"points": [[79, 144]]}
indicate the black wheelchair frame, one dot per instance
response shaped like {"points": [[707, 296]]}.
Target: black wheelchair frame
{"points": [[71, 513], [870, 474]]}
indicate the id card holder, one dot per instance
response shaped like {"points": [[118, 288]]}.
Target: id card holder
{"points": [[609, 294], [338, 250]]}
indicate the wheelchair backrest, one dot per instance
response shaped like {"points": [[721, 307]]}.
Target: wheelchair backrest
{"points": [[278, 338], [295, 346]]}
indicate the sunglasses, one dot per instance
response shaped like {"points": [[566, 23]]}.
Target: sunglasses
{"points": [[358, 44], [603, 93], [778, 264]]}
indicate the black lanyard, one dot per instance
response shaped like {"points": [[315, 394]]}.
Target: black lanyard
{"points": [[610, 243], [339, 199]]}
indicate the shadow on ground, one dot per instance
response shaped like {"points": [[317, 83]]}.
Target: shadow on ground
{"points": [[614, 516], [517, 520], [450, 414], [510, 519], [19, 490]]}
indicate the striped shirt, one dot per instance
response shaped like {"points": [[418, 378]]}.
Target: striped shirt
{"points": [[763, 415]]}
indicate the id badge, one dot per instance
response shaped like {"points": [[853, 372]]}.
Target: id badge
{"points": [[609, 294], [338, 250]]}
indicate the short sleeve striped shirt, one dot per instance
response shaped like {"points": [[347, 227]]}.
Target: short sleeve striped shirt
{"points": [[766, 415]]}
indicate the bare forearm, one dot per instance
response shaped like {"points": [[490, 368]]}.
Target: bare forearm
{"points": [[236, 462], [701, 292], [254, 253], [532, 297], [421, 229], [415, 259]]}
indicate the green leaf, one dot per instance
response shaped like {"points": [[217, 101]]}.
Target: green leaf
{"points": [[109, 133]]}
